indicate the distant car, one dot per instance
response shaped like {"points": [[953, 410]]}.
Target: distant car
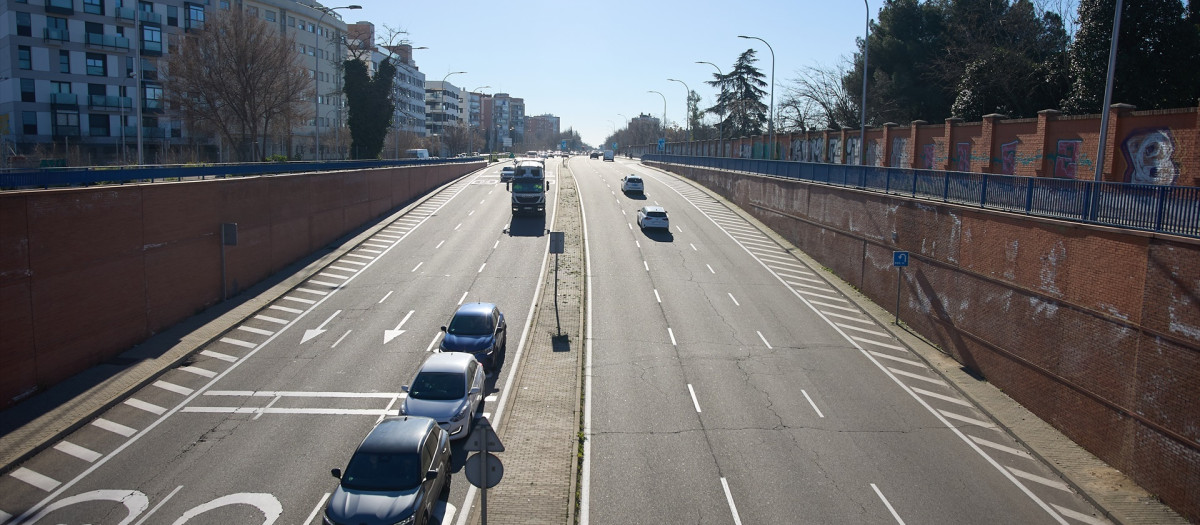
{"points": [[396, 474], [632, 184], [652, 217], [478, 329], [448, 388], [594, 155], [506, 173]]}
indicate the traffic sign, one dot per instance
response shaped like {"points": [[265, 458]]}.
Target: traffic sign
{"points": [[563, 145], [900, 259], [483, 435], [484, 470], [662, 144], [558, 242]]}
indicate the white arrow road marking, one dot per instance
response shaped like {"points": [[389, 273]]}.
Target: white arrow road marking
{"points": [[309, 334], [388, 335]]}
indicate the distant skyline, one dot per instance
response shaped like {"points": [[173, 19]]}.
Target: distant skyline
{"points": [[592, 64]]}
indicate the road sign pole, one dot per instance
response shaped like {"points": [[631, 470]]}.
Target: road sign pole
{"points": [[483, 476], [899, 277]]}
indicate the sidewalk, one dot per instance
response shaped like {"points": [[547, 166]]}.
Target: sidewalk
{"points": [[540, 429]]}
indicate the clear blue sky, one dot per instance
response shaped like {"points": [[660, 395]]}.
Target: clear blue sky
{"points": [[591, 62]]}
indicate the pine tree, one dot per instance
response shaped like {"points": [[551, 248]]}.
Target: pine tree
{"points": [[740, 101]]}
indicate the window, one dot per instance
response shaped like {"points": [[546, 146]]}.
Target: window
{"points": [[24, 25], [173, 16], [224, 5], [24, 58], [251, 11], [27, 90], [152, 97], [96, 90], [64, 61], [66, 123], [95, 7], [269, 16], [291, 21], [54, 22], [195, 16], [97, 65], [29, 122], [98, 125], [60, 87], [152, 39]]}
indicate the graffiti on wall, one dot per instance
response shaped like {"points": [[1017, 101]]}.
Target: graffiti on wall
{"points": [[873, 155], [744, 151], [899, 153], [1066, 158], [962, 160], [816, 149], [835, 151], [928, 154], [852, 145], [1150, 157], [1008, 157]]}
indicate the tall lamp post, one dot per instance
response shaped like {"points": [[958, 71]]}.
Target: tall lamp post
{"points": [[721, 124], [687, 108], [1108, 89], [317, 69], [771, 121], [862, 128], [664, 122], [442, 96], [470, 134]]}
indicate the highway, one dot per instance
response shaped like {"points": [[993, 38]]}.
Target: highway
{"points": [[730, 383]]}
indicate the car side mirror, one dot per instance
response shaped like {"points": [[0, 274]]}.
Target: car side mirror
{"points": [[443, 329], [337, 473], [474, 390], [404, 388], [431, 475]]}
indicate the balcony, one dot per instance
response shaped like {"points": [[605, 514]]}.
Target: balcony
{"points": [[154, 105], [109, 102], [64, 99], [125, 14], [191, 24], [149, 17], [66, 131], [152, 48], [107, 41], [56, 35], [60, 7], [154, 133]]}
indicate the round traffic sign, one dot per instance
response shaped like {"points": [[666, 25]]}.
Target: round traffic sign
{"points": [[484, 473]]}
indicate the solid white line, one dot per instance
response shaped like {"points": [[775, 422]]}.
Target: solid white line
{"points": [[737, 520], [433, 342], [860, 329], [335, 343], [672, 334], [942, 397], [417, 266], [4, 517], [311, 291], [734, 299], [269, 319], [968, 420], [115, 428], [181, 390], [1039, 479], [810, 401], [1002, 448], [439, 245], [164, 501], [710, 269], [693, 393], [198, 371], [897, 371], [238, 342], [877, 343], [889, 505], [72, 449], [647, 265], [334, 275], [1079, 516], [897, 359], [385, 296], [344, 269], [313, 515], [148, 407], [299, 393], [463, 298], [46, 483], [218, 355], [286, 309], [253, 330], [764, 340], [481, 267], [656, 296], [306, 411]]}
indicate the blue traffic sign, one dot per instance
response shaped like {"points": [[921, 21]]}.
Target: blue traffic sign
{"points": [[899, 258]]}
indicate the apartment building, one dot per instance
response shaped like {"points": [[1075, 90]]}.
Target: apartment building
{"points": [[443, 106], [84, 73]]}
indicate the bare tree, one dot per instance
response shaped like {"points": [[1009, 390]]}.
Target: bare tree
{"points": [[239, 78], [817, 98]]}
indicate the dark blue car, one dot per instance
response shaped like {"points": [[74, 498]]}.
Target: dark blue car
{"points": [[477, 329]]}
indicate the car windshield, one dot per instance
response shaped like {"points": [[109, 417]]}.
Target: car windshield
{"points": [[470, 324], [438, 386], [383, 472], [527, 187]]}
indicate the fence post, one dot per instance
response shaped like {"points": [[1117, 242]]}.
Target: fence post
{"points": [[1029, 196], [1158, 214], [983, 192]]}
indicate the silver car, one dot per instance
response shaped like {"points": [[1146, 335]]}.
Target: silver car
{"points": [[447, 388], [652, 217]]}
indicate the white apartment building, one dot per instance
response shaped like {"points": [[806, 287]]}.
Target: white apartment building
{"points": [[443, 106]]}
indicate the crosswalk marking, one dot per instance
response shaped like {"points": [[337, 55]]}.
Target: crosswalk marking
{"points": [[839, 307], [877, 343], [323, 283], [333, 275], [1079, 516], [311, 291], [343, 269], [299, 300], [286, 309], [861, 329]]}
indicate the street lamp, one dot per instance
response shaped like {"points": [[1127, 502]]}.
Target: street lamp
{"points": [[771, 121], [664, 122], [470, 133], [317, 69], [1108, 89], [442, 96], [687, 109], [862, 128], [721, 124]]}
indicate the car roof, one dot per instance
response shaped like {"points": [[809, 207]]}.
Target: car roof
{"points": [[633, 176], [453, 362], [475, 308], [649, 209], [397, 433]]}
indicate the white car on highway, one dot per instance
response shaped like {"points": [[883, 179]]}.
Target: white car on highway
{"points": [[632, 184], [652, 217], [448, 388]]}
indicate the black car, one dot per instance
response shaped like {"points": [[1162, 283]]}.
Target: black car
{"points": [[395, 476], [594, 155], [478, 329]]}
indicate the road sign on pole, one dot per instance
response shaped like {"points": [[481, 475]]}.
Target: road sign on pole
{"points": [[899, 260]]}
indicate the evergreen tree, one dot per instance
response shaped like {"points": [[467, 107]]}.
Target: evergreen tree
{"points": [[371, 105], [740, 100], [1157, 52]]}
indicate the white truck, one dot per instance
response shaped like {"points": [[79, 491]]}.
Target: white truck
{"points": [[608, 155], [529, 188]]}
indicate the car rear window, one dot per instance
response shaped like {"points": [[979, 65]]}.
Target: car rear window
{"points": [[657, 214]]}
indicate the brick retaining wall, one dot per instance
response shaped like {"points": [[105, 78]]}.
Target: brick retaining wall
{"points": [[1096, 330]]}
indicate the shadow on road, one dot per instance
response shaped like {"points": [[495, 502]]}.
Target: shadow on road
{"points": [[527, 226], [659, 235]]}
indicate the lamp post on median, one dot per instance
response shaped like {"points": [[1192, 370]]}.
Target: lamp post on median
{"points": [[721, 124], [317, 69], [687, 108], [664, 122], [771, 120]]}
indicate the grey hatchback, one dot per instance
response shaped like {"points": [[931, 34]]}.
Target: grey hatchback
{"points": [[394, 477]]}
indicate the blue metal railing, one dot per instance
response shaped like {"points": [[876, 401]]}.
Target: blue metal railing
{"points": [[61, 177], [1165, 209]]}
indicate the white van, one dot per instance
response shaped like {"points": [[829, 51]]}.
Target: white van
{"points": [[416, 154]]}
